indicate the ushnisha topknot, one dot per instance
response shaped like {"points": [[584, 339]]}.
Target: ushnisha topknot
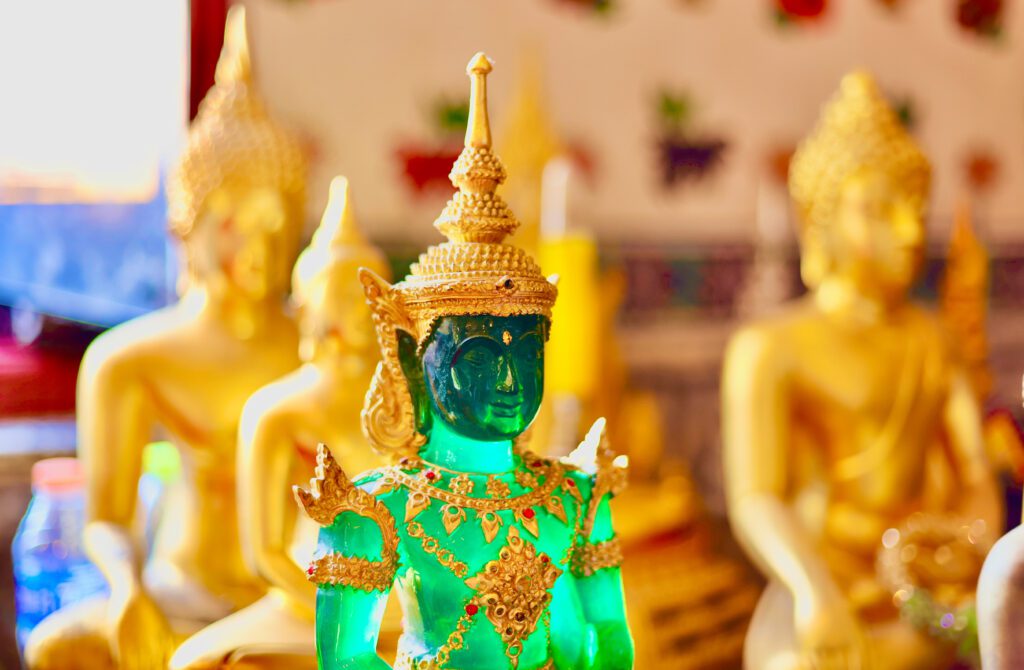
{"points": [[857, 130], [473, 273], [234, 140]]}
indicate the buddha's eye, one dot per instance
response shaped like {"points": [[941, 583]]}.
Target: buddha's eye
{"points": [[530, 347], [477, 356]]}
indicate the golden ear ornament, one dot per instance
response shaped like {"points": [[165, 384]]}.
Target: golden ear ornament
{"points": [[389, 417]]}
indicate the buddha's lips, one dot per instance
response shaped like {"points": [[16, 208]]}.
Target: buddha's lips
{"points": [[506, 411]]}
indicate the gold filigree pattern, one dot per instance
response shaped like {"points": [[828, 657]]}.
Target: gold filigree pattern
{"points": [[461, 485], [490, 524], [359, 573], [515, 590], [496, 488], [526, 479], [404, 661], [589, 558], [432, 546], [553, 473], [452, 517]]}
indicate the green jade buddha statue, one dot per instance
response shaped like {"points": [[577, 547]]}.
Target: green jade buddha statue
{"points": [[502, 559]]}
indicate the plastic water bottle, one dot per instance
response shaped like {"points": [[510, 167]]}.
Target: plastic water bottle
{"points": [[50, 566]]}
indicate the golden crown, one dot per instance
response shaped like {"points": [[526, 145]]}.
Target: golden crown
{"points": [[233, 139], [474, 272], [857, 130]]}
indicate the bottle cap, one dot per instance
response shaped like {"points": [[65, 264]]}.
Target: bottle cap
{"points": [[162, 460], [58, 475]]}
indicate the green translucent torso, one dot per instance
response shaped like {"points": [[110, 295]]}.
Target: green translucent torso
{"points": [[493, 588]]}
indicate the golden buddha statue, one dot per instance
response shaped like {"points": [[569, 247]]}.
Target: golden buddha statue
{"points": [[281, 426], [530, 143], [847, 417], [236, 200]]}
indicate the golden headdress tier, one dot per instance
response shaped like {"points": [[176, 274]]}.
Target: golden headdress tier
{"points": [[233, 139], [473, 273], [857, 130], [475, 213]]}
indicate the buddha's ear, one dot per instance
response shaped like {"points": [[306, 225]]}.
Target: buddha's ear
{"points": [[412, 368], [407, 356]]}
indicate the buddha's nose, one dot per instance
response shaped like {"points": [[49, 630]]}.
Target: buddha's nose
{"points": [[507, 382]]}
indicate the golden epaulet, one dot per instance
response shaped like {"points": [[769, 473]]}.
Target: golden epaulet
{"points": [[330, 493]]}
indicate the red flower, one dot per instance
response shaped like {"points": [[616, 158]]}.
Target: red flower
{"points": [[980, 16], [803, 9]]}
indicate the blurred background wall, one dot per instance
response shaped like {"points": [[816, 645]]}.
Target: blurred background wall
{"points": [[364, 81]]}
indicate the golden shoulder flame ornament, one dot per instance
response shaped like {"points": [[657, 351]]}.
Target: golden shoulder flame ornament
{"points": [[474, 272]]}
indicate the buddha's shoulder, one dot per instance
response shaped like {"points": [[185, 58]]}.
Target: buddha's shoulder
{"points": [[138, 340], [774, 334]]}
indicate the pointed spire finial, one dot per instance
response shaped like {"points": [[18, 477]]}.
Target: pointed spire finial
{"points": [[338, 227], [235, 64], [478, 130]]}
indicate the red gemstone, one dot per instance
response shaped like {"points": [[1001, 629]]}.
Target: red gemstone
{"points": [[472, 609], [431, 475], [537, 464], [544, 558], [529, 513], [569, 482], [310, 570]]}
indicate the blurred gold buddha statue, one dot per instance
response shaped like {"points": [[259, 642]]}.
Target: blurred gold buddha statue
{"points": [[847, 414], [281, 426], [526, 160], [236, 206]]}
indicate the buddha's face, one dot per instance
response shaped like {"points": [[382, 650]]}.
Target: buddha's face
{"points": [[878, 237], [484, 375], [333, 313], [248, 240]]}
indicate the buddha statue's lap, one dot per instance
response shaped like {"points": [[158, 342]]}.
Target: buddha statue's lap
{"points": [[500, 558], [848, 415], [235, 205], [281, 425]]}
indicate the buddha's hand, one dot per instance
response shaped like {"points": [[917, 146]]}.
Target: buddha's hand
{"points": [[830, 636], [141, 638]]}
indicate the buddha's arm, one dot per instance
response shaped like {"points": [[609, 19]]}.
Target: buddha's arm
{"points": [[114, 422], [979, 496], [267, 515], [756, 435], [602, 597], [349, 614]]}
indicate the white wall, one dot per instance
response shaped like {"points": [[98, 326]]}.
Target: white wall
{"points": [[358, 75]]}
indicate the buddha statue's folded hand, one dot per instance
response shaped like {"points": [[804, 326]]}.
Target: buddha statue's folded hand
{"points": [[829, 635], [140, 638]]}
